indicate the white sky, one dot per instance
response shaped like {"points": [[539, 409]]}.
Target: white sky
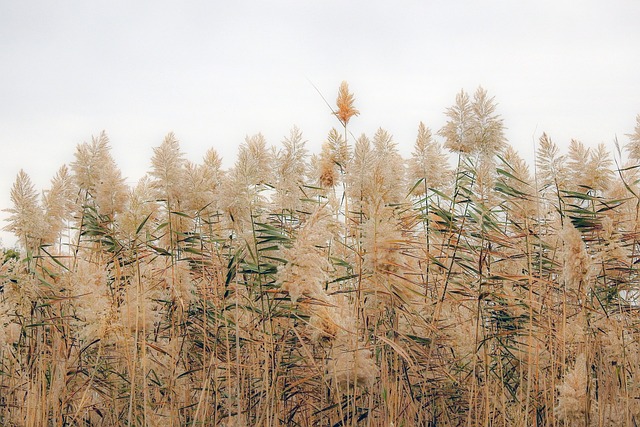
{"points": [[214, 72]]}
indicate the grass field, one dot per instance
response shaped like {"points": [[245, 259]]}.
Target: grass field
{"points": [[350, 287]]}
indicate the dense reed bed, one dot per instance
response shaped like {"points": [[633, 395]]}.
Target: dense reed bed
{"points": [[351, 287]]}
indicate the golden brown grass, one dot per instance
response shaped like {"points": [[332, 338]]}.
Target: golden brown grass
{"points": [[336, 290]]}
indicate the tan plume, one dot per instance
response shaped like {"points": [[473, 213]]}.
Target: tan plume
{"points": [[345, 101]]}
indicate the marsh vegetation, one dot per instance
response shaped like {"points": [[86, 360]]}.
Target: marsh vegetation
{"points": [[456, 287]]}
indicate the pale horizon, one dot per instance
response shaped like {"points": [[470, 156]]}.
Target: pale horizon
{"points": [[215, 73]]}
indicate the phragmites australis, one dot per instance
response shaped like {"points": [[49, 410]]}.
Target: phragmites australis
{"points": [[394, 293], [345, 102], [473, 127], [428, 166], [58, 203], [333, 160], [306, 271], [291, 170], [577, 262], [167, 170], [551, 166], [458, 131], [572, 400], [634, 141], [26, 216]]}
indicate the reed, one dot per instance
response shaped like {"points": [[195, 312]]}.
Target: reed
{"points": [[352, 287]]}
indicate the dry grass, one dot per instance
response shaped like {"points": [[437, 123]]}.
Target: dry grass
{"points": [[350, 288]]}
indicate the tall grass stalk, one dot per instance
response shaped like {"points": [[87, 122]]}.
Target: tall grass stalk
{"points": [[348, 288]]}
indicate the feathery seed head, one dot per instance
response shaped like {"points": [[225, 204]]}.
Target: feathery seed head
{"points": [[167, 168], [428, 162], [335, 153], [345, 101], [26, 218], [577, 265], [307, 268], [634, 141], [572, 399]]}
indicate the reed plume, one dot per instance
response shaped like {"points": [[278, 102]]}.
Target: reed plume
{"points": [[345, 102], [26, 218], [347, 287]]}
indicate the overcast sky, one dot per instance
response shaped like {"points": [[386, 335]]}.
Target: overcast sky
{"points": [[214, 72]]}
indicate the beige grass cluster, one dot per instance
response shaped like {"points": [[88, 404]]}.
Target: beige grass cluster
{"points": [[351, 287]]}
